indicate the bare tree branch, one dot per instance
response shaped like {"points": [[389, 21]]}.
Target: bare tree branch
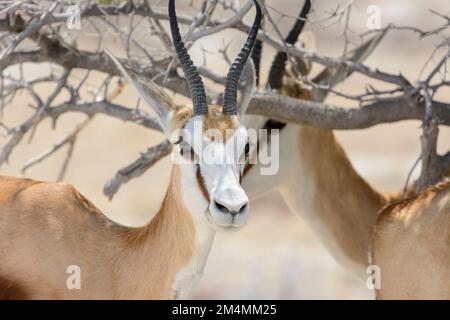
{"points": [[68, 139], [430, 132], [138, 167], [287, 109], [40, 26]]}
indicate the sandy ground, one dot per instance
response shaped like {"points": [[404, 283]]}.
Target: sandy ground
{"points": [[276, 255]]}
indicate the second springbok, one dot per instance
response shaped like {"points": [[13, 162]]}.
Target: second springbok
{"points": [[316, 178], [47, 227]]}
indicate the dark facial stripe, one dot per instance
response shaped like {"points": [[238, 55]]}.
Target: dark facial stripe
{"points": [[268, 125], [247, 168], [201, 184]]}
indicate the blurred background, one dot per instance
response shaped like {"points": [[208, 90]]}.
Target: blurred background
{"points": [[275, 256]]}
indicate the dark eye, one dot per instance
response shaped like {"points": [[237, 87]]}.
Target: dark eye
{"points": [[186, 151], [180, 140]]}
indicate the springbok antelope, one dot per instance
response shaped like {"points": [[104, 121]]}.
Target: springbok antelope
{"points": [[411, 246], [316, 178], [46, 227], [408, 239]]}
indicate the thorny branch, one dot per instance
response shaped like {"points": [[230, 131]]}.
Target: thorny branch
{"points": [[36, 32]]}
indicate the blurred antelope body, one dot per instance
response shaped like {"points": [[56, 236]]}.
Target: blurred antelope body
{"points": [[321, 186], [316, 178], [55, 227], [411, 246], [47, 228], [409, 240]]}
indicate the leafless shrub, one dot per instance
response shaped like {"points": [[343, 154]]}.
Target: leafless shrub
{"points": [[36, 32]]}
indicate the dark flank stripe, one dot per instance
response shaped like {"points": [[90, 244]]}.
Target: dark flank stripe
{"points": [[201, 184]]}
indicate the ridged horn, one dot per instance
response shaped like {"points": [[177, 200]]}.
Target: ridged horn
{"points": [[256, 57], [231, 85], [276, 72], [195, 83]]}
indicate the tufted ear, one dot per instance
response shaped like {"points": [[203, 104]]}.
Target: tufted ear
{"points": [[150, 92], [247, 84]]}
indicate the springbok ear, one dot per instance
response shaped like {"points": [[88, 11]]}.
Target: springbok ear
{"points": [[247, 84], [152, 94]]}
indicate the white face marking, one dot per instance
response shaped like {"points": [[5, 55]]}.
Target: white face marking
{"points": [[220, 166], [221, 180]]}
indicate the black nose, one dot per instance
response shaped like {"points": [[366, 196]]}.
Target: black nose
{"points": [[224, 209]]}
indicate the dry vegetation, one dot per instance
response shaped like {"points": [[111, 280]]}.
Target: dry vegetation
{"points": [[59, 78]]}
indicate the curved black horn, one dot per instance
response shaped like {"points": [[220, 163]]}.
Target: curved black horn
{"points": [[275, 80], [231, 85], [195, 83], [256, 57]]}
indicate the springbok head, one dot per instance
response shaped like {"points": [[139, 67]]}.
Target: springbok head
{"points": [[210, 144]]}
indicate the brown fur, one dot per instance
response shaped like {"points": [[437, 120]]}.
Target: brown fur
{"points": [[349, 204], [411, 235], [223, 123], [202, 186], [344, 205], [215, 119], [10, 290], [45, 227], [411, 243], [293, 88]]}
